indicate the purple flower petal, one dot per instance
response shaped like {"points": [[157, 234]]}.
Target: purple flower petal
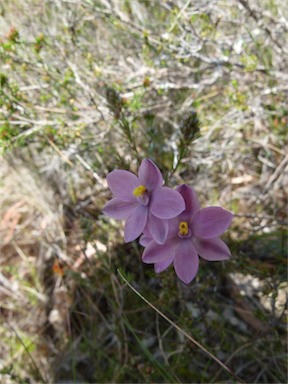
{"points": [[191, 202], [147, 232], [122, 184], [212, 249], [166, 203], [155, 253], [158, 228], [160, 267], [135, 223], [173, 229], [150, 175], [211, 222], [119, 209], [186, 261], [145, 240]]}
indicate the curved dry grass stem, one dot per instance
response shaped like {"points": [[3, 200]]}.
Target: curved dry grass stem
{"points": [[182, 331]]}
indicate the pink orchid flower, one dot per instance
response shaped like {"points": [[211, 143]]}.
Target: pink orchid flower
{"points": [[194, 232], [143, 202]]}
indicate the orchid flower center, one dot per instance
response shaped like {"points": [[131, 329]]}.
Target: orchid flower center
{"points": [[139, 191], [184, 232], [183, 228]]}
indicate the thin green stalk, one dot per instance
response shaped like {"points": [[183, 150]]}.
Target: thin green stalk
{"points": [[182, 331], [29, 354], [165, 373]]}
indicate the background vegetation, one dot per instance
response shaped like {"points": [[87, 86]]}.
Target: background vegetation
{"points": [[88, 86]]}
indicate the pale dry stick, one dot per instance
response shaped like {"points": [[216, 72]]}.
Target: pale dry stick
{"points": [[34, 293], [253, 14], [182, 10], [222, 61], [20, 251], [84, 86], [88, 168], [60, 153], [79, 158], [141, 30], [33, 87], [50, 109], [275, 175], [268, 145], [9, 289], [181, 330], [34, 122]]}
